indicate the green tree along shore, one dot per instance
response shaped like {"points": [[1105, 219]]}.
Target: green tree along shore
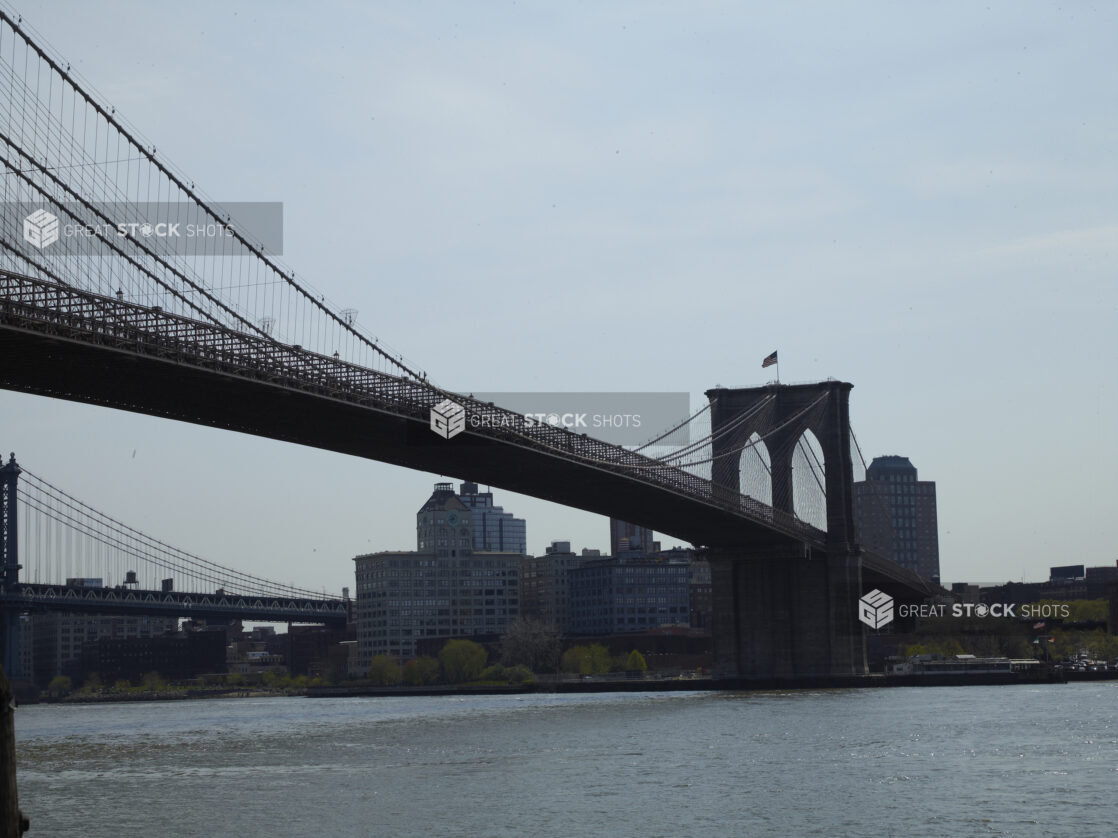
{"points": [[529, 648], [595, 660], [153, 685], [459, 662], [532, 648]]}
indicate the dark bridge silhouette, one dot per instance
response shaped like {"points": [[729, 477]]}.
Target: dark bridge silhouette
{"points": [[786, 592], [64, 343], [87, 552], [132, 323]]}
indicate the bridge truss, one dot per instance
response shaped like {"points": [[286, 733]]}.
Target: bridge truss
{"points": [[235, 308]]}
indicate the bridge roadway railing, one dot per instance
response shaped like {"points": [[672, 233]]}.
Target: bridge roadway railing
{"points": [[125, 600], [64, 311]]}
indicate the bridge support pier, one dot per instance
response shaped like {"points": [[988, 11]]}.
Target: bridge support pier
{"points": [[786, 613], [9, 566], [10, 662]]}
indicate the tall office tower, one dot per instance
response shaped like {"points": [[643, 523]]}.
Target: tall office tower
{"points": [[494, 530], [443, 525], [895, 514], [625, 536]]}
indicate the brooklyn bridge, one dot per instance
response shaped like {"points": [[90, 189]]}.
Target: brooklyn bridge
{"points": [[231, 339]]}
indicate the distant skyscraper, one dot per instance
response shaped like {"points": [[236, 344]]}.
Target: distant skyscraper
{"points": [[896, 515], [494, 530], [626, 536]]}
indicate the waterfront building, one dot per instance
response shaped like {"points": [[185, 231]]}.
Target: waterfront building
{"points": [[618, 595], [176, 657], [1098, 578], [702, 596], [403, 597], [54, 640], [315, 650], [546, 585], [1067, 582], [895, 514], [444, 589]]}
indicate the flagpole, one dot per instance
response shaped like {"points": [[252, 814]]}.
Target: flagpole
{"points": [[770, 360]]}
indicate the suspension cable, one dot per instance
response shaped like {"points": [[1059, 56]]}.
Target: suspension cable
{"points": [[118, 530]]}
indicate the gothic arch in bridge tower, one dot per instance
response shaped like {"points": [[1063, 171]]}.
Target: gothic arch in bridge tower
{"points": [[809, 493], [781, 415], [755, 467]]}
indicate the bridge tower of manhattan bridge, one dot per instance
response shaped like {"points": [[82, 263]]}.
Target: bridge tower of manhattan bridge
{"points": [[9, 565], [787, 610]]}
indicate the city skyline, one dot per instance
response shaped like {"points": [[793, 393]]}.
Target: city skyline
{"points": [[947, 247]]}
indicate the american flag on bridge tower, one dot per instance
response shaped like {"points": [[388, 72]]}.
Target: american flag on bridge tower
{"points": [[769, 361]]}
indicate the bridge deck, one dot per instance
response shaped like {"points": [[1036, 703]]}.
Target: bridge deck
{"points": [[27, 596], [61, 342]]}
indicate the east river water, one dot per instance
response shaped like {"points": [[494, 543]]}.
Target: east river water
{"points": [[934, 761]]}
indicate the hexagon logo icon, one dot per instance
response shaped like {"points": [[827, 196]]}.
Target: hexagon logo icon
{"points": [[40, 228], [448, 418], [875, 609]]}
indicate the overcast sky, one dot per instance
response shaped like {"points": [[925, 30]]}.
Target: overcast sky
{"points": [[918, 198]]}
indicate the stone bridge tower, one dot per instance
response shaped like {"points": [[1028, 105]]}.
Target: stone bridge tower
{"points": [[9, 566], [789, 609]]}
